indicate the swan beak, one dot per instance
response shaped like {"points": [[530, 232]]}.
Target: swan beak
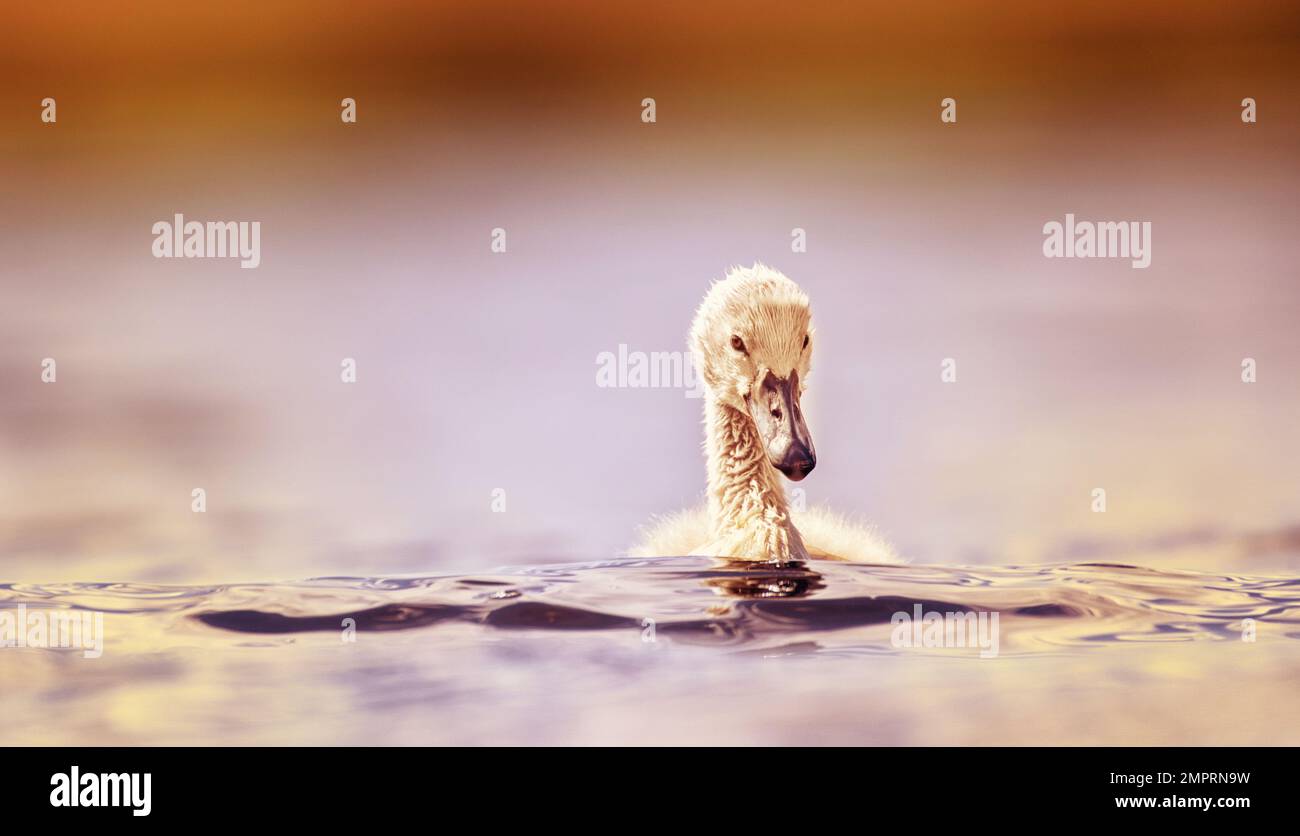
{"points": [[776, 413]]}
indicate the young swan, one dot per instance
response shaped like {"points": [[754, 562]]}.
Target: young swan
{"points": [[752, 345]]}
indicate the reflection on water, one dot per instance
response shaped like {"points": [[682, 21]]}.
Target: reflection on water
{"points": [[670, 650]]}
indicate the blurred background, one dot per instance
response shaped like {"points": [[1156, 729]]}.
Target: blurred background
{"points": [[476, 370]]}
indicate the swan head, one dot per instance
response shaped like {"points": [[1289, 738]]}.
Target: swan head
{"points": [[752, 345]]}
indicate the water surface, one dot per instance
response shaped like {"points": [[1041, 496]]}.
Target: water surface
{"points": [[670, 650]]}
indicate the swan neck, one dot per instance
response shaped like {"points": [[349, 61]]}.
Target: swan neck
{"points": [[745, 492]]}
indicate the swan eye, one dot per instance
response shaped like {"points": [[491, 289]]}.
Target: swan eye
{"points": [[805, 340], [737, 343]]}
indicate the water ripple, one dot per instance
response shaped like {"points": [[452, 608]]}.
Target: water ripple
{"points": [[831, 606]]}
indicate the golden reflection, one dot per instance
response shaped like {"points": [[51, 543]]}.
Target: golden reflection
{"points": [[749, 580]]}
